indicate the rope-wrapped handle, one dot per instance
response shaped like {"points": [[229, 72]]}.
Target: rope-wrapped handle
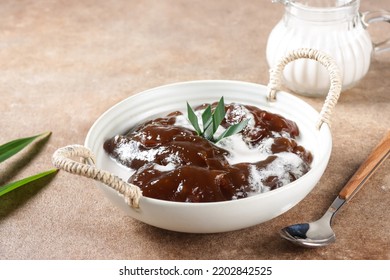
{"points": [[276, 74], [63, 159]]}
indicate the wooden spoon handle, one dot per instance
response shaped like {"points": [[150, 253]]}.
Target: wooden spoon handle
{"points": [[377, 156]]}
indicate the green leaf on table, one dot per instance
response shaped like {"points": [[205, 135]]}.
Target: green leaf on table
{"points": [[11, 148], [11, 186]]}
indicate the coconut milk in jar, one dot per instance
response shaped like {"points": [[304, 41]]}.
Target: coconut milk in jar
{"points": [[335, 27]]}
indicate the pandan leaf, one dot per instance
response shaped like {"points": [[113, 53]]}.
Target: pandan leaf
{"points": [[193, 119], [207, 119], [211, 120], [11, 186], [11, 148], [231, 130], [219, 114]]}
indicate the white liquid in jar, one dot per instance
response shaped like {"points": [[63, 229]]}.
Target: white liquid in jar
{"points": [[346, 40]]}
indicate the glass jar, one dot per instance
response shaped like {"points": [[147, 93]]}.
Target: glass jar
{"points": [[335, 27]]}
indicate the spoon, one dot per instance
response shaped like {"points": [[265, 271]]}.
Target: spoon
{"points": [[320, 233]]}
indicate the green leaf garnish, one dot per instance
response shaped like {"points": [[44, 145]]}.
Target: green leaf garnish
{"points": [[207, 119], [212, 120], [11, 186], [11, 148], [219, 114], [193, 119], [235, 128]]}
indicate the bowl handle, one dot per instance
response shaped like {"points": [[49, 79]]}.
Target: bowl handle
{"points": [[276, 74], [62, 159]]}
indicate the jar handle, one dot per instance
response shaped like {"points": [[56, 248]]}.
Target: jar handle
{"points": [[276, 73], [377, 16], [62, 159]]}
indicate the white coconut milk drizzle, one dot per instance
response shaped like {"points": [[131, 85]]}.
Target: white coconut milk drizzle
{"points": [[240, 152]]}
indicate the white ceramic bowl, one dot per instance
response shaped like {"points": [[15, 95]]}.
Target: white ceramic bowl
{"points": [[215, 216]]}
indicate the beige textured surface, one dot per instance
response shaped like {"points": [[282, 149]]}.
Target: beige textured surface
{"points": [[63, 63]]}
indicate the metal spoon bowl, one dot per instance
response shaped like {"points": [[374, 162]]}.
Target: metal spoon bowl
{"points": [[319, 233]]}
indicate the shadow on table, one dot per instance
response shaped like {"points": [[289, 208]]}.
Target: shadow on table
{"points": [[261, 242], [24, 158], [16, 198], [20, 196]]}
